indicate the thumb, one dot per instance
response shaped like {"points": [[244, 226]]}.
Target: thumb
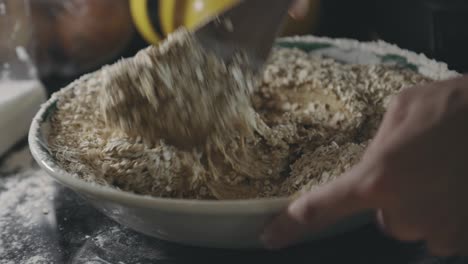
{"points": [[318, 209]]}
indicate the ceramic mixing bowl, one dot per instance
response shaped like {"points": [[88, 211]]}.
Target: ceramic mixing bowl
{"points": [[221, 224]]}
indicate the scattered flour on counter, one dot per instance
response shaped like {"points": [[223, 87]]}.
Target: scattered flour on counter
{"points": [[24, 195], [37, 260], [111, 243]]}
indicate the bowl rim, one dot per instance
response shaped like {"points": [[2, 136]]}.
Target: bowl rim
{"points": [[432, 68]]}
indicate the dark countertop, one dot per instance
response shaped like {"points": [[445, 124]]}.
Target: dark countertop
{"points": [[42, 222]]}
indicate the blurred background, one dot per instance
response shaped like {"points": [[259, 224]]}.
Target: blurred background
{"points": [[72, 37]]}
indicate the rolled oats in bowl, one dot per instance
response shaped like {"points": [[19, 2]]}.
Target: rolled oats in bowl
{"points": [[311, 117]]}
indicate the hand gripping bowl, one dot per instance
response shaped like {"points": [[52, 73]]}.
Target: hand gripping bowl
{"points": [[222, 224]]}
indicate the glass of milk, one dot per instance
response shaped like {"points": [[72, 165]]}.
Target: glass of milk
{"points": [[21, 92]]}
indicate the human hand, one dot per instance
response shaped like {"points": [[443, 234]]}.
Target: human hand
{"points": [[414, 174]]}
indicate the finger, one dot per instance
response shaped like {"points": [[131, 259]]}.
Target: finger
{"points": [[317, 210], [395, 226], [299, 9]]}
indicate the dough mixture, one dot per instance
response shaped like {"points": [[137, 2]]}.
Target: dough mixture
{"points": [[310, 120], [178, 92]]}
